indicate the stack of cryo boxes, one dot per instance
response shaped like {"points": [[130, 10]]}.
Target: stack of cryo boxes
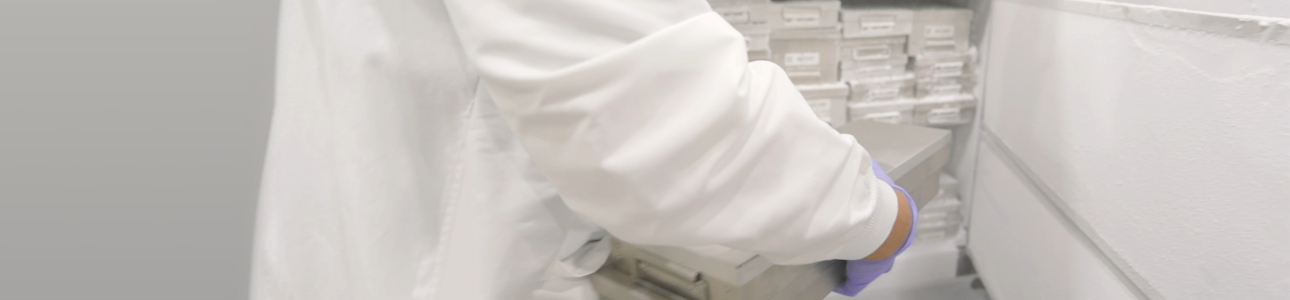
{"points": [[752, 19], [897, 63], [901, 62], [944, 66], [804, 39], [941, 218], [909, 64]]}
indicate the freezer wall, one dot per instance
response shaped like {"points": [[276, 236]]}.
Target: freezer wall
{"points": [[1026, 255], [1163, 150], [1266, 8]]}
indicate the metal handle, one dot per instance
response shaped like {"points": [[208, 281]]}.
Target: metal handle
{"points": [[686, 284]]}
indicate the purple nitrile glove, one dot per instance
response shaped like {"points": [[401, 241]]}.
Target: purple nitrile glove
{"points": [[862, 272]]}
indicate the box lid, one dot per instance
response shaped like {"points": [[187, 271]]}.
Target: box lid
{"points": [[906, 78], [874, 40], [942, 13], [716, 3], [832, 33], [857, 12], [876, 21], [893, 60], [804, 14], [940, 57], [961, 100], [898, 150], [827, 90], [825, 4]]}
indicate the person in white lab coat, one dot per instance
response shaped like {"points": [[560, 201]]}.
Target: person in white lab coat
{"points": [[473, 149]]}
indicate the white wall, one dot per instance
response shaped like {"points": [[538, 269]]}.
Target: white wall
{"points": [[131, 139], [1173, 145]]}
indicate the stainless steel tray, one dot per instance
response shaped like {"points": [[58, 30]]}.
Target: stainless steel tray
{"points": [[913, 156]]}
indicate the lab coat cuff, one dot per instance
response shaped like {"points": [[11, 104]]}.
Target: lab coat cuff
{"points": [[873, 232]]}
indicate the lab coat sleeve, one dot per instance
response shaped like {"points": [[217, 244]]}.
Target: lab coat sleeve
{"points": [[650, 121]]}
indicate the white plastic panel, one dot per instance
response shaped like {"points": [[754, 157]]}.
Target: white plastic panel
{"points": [[1021, 249], [1170, 143]]}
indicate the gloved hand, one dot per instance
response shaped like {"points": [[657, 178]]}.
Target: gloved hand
{"points": [[862, 272]]}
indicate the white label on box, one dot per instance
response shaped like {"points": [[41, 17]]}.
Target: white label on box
{"points": [[947, 89], [947, 69], [801, 16], [801, 59], [822, 108], [944, 115], [890, 117], [938, 31], [871, 52], [884, 92], [877, 24], [738, 16]]}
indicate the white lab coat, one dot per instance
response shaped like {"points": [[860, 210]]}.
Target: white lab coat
{"points": [[468, 149]]}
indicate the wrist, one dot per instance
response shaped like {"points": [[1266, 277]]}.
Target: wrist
{"points": [[899, 230]]}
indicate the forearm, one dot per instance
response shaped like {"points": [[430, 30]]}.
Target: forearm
{"points": [[899, 231]]}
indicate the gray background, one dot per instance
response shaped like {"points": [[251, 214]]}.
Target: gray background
{"points": [[132, 136]]}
